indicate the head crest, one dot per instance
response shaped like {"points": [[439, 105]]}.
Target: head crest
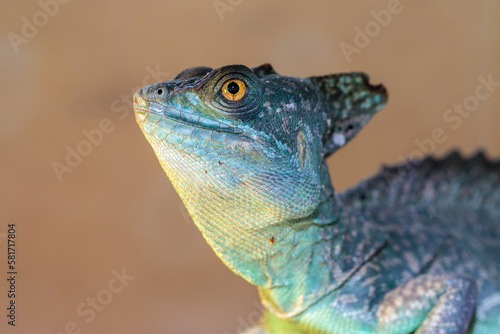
{"points": [[352, 101]]}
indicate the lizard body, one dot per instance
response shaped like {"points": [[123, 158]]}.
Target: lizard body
{"points": [[416, 248]]}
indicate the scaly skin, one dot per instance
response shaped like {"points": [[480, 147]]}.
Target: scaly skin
{"points": [[414, 249]]}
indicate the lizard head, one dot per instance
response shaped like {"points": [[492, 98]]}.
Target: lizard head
{"points": [[250, 142]]}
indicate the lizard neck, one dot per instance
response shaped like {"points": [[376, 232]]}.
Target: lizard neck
{"points": [[264, 235], [279, 253], [295, 245]]}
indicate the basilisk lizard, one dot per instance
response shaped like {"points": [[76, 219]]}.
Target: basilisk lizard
{"points": [[413, 249]]}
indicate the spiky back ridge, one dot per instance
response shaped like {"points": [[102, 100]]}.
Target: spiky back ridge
{"points": [[453, 182], [453, 197]]}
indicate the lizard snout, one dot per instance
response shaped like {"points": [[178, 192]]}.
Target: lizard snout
{"points": [[138, 99]]}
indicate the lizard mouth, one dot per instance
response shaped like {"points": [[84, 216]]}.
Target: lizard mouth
{"points": [[143, 108], [170, 119]]}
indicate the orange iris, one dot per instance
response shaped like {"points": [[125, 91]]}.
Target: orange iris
{"points": [[234, 89]]}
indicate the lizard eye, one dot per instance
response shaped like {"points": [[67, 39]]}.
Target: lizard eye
{"points": [[234, 89], [235, 94], [160, 92]]}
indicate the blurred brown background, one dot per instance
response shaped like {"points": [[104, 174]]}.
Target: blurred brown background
{"points": [[116, 209]]}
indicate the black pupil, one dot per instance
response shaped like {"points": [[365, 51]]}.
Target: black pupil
{"points": [[159, 91], [233, 88]]}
